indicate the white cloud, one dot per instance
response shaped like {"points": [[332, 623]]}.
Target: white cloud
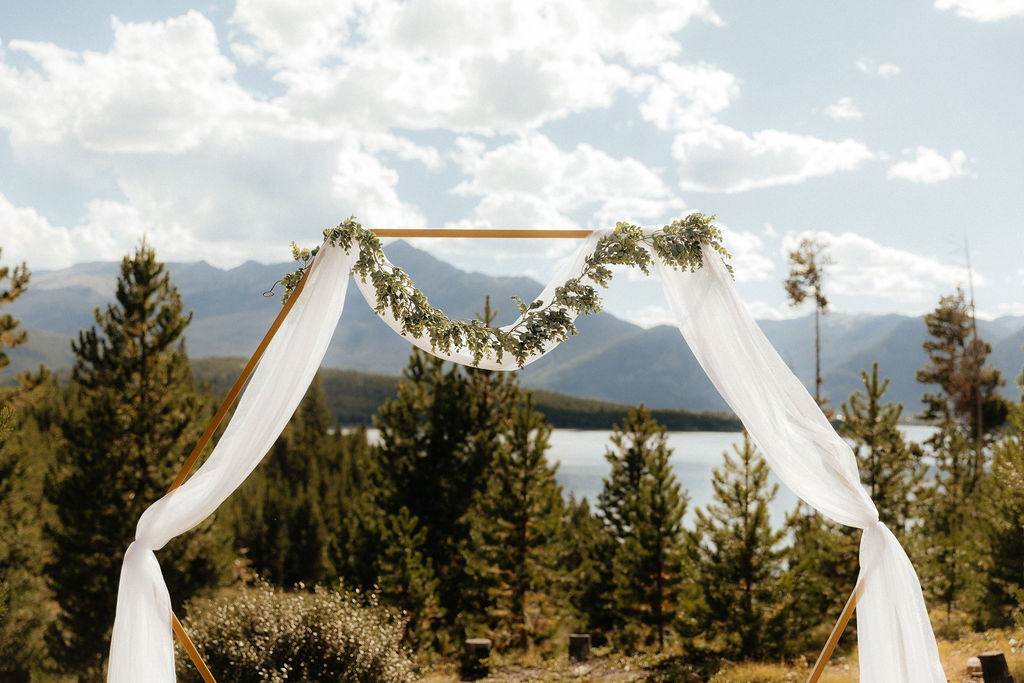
{"points": [[884, 70], [25, 233], [750, 258], [928, 166], [761, 310], [650, 316], [404, 148], [360, 180], [983, 10], [459, 64], [686, 96], [865, 268], [721, 159], [163, 87], [889, 70], [532, 183], [843, 109]]}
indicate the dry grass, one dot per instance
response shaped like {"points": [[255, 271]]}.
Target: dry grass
{"points": [[605, 667]]}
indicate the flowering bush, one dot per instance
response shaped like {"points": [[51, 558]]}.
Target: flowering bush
{"points": [[264, 634]]}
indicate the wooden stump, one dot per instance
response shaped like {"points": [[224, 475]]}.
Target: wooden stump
{"points": [[474, 665], [579, 647], [994, 668]]}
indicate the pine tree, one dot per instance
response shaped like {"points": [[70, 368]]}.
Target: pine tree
{"points": [[438, 438], [27, 447], [967, 395], [738, 562], [24, 457], [590, 587], [968, 411], [643, 508], [302, 515], [513, 548], [10, 335], [133, 418], [407, 580], [1001, 529], [890, 468], [821, 571], [806, 279]]}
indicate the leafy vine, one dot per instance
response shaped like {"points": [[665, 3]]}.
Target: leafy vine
{"points": [[678, 244]]}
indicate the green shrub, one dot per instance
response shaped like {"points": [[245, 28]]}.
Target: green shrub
{"points": [[261, 634]]}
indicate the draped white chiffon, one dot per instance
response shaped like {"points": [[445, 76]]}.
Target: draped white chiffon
{"points": [[895, 636]]}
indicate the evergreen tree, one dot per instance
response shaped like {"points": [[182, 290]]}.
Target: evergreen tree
{"points": [[24, 456], [407, 579], [27, 446], [643, 508], [738, 562], [890, 468], [133, 417], [821, 571], [301, 517], [806, 279], [438, 438], [513, 548], [967, 397], [967, 411], [10, 335], [1002, 529], [590, 586]]}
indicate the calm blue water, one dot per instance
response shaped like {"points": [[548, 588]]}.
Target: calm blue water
{"points": [[582, 465]]}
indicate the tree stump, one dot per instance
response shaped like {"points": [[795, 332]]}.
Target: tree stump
{"points": [[994, 668], [474, 658], [579, 647]]}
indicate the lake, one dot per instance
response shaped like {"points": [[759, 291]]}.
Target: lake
{"points": [[582, 465]]}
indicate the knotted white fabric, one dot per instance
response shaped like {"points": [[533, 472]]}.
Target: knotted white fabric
{"points": [[895, 636], [142, 647]]}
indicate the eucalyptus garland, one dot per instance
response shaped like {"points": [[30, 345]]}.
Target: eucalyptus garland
{"points": [[678, 244]]}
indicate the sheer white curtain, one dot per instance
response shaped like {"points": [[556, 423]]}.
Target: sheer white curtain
{"points": [[896, 641], [141, 647], [894, 635]]}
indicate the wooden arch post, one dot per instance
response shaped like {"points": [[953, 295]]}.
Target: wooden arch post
{"points": [[250, 367]]}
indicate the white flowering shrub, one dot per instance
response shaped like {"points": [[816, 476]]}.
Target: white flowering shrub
{"points": [[262, 634]]}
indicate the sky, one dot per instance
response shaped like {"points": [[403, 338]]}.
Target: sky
{"points": [[893, 131]]}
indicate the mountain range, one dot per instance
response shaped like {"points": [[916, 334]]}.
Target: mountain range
{"points": [[610, 359]]}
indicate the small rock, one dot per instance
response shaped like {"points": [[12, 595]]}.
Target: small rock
{"points": [[973, 665]]}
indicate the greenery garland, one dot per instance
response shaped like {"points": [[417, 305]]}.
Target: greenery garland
{"points": [[678, 244]]}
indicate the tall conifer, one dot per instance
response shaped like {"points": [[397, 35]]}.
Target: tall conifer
{"points": [[806, 279], [890, 468], [1001, 529], [134, 416], [967, 411], [643, 507], [438, 438], [513, 549], [738, 560]]}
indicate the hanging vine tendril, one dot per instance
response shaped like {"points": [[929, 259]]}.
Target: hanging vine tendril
{"points": [[678, 244]]}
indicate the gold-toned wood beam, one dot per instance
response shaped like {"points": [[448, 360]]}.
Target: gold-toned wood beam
{"points": [[193, 653], [480, 232], [837, 631]]}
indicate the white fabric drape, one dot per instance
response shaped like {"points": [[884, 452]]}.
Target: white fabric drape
{"points": [[895, 636], [141, 647]]}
